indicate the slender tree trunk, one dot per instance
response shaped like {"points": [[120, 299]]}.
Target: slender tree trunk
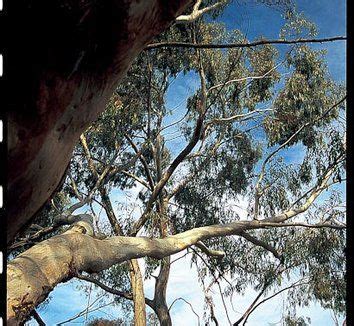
{"points": [[137, 284], [136, 279], [161, 308]]}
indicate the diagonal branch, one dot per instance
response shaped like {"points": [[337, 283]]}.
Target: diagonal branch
{"points": [[37, 317], [258, 191], [254, 304], [188, 303], [208, 251], [103, 286], [142, 160], [197, 12], [261, 243]]}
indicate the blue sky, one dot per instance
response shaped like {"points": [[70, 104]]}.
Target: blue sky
{"points": [[254, 20]]}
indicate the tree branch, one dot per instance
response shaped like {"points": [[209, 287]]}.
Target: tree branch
{"points": [[196, 12], [261, 243], [242, 45], [208, 251], [35, 272], [258, 192], [143, 162], [37, 317], [188, 303], [122, 294]]}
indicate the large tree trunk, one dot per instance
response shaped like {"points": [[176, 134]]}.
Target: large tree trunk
{"points": [[73, 53]]}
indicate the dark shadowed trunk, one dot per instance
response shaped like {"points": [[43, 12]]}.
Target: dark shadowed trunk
{"points": [[160, 304], [73, 54]]}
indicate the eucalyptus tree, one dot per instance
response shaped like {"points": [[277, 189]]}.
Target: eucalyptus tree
{"points": [[192, 165]]}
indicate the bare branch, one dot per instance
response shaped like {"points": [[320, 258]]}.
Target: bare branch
{"points": [[237, 117], [84, 311], [175, 300], [142, 160], [261, 243], [122, 294], [241, 45], [196, 12], [37, 317], [246, 78], [136, 178], [253, 306]]}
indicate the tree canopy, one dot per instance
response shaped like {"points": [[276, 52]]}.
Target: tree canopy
{"points": [[148, 180]]}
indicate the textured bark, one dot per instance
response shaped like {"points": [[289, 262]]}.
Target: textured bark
{"points": [[75, 54], [160, 304], [137, 284]]}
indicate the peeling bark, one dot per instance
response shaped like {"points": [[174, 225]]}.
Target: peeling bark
{"points": [[75, 54]]}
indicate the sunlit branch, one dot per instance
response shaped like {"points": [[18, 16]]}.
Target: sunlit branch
{"points": [[237, 116], [95, 255], [313, 196], [197, 12], [258, 191], [208, 251], [246, 78]]}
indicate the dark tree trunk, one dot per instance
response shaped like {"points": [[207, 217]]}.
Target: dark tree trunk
{"points": [[68, 58], [161, 308]]}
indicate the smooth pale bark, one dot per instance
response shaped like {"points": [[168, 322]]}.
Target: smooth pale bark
{"points": [[73, 54], [33, 274]]}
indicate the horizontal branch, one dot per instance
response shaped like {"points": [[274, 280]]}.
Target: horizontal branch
{"points": [[34, 273], [241, 45]]}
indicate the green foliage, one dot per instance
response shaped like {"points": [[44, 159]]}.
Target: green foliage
{"points": [[235, 139]]}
